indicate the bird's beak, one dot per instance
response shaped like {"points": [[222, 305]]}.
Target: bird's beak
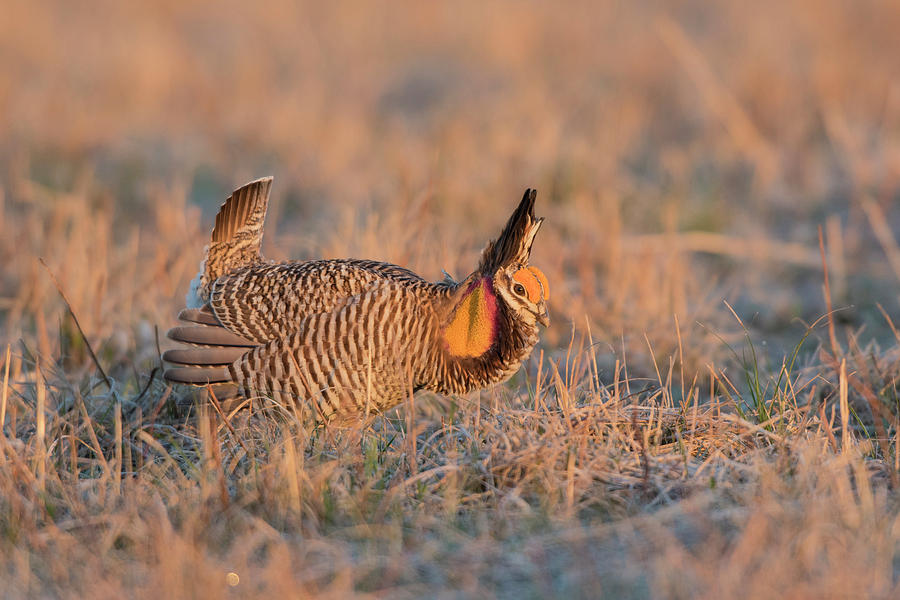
{"points": [[544, 318]]}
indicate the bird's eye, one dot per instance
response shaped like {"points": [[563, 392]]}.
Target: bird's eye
{"points": [[519, 289]]}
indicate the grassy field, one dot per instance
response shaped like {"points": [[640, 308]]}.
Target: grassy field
{"points": [[713, 413]]}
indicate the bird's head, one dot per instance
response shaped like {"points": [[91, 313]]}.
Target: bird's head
{"points": [[522, 287], [526, 291], [503, 275]]}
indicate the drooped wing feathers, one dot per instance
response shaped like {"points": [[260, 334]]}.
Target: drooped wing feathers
{"points": [[209, 349], [513, 246], [198, 315], [221, 355], [208, 335]]}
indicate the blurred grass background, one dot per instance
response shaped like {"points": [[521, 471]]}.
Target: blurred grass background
{"points": [[737, 132], [685, 154]]}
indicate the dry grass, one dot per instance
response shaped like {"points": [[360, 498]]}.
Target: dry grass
{"points": [[665, 440]]}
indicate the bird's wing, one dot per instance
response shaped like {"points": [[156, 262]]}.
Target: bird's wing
{"points": [[266, 302], [207, 351], [359, 357]]}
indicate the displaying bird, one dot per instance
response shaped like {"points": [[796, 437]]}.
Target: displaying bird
{"points": [[347, 336]]}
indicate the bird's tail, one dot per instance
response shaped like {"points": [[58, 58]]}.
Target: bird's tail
{"points": [[236, 238]]}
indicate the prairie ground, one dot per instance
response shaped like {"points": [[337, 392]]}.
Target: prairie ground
{"points": [[712, 414]]}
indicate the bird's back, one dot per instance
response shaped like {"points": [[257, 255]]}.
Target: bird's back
{"points": [[267, 300]]}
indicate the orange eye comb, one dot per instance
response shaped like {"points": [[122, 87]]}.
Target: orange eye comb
{"points": [[535, 282]]}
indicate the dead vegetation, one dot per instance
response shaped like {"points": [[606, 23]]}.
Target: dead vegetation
{"points": [[714, 412]]}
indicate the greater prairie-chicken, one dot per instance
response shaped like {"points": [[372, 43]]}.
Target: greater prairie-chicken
{"points": [[348, 336]]}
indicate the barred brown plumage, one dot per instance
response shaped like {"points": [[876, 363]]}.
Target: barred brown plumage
{"points": [[349, 336]]}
